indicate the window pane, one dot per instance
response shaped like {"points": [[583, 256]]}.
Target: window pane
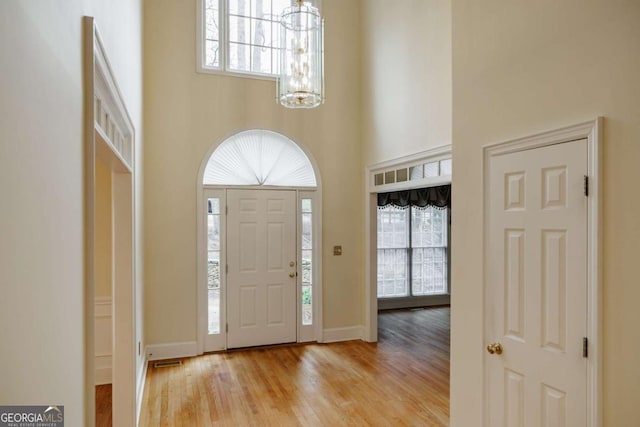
{"points": [[416, 172], [212, 54], [307, 311], [392, 273], [261, 59], [213, 206], [213, 264], [431, 169], [212, 33], [429, 271], [213, 290], [214, 311], [278, 6], [307, 262], [238, 7], [213, 232], [445, 167], [239, 30], [393, 227], [428, 227], [239, 57], [212, 29], [253, 36], [261, 9], [306, 268], [306, 231], [261, 33]]}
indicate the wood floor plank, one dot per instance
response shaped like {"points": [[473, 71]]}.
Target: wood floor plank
{"points": [[103, 406], [403, 380]]}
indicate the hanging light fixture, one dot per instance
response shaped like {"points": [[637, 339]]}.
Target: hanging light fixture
{"points": [[301, 80]]}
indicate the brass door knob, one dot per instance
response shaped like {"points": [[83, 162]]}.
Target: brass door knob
{"points": [[494, 348], [292, 274]]}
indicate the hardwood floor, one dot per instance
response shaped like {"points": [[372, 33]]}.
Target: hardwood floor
{"points": [[403, 380], [103, 406]]}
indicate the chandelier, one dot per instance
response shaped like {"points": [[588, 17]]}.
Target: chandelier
{"points": [[301, 79]]}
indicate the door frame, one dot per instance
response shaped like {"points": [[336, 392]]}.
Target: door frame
{"points": [[316, 332], [303, 334], [370, 332], [110, 137], [592, 132]]}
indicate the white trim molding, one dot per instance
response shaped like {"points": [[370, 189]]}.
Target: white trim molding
{"points": [[349, 333], [370, 330], [109, 135], [413, 302], [103, 340], [404, 164], [171, 350], [592, 132]]}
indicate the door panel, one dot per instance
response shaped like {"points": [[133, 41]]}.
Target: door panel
{"points": [[261, 302], [536, 303]]}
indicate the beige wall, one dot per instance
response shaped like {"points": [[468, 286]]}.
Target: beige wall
{"points": [[406, 77], [186, 113], [41, 168], [103, 226], [521, 67]]}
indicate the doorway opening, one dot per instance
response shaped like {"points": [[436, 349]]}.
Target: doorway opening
{"points": [[259, 247], [111, 324], [408, 220]]}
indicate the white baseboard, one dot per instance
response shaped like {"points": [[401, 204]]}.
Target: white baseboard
{"points": [[103, 340], [172, 350], [413, 302], [342, 334], [103, 370]]}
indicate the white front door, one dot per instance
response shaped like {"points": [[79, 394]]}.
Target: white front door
{"points": [[536, 290], [261, 259]]}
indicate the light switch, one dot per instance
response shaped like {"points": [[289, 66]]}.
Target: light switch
{"points": [[337, 250]]}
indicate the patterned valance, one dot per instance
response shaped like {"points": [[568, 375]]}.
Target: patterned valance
{"points": [[439, 197]]}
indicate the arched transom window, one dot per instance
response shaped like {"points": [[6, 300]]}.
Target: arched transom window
{"points": [[261, 158]]}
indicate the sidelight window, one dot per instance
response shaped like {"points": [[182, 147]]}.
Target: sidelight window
{"points": [[213, 265]]}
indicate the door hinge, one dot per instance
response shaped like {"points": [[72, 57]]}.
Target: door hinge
{"points": [[585, 347], [226, 268], [226, 210], [226, 327], [586, 185]]}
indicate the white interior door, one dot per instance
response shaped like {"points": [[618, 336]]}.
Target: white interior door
{"points": [[536, 301], [261, 278]]}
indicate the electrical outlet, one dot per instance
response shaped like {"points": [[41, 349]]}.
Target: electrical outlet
{"points": [[337, 250]]}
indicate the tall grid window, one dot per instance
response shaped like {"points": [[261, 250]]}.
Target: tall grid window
{"points": [[412, 251], [307, 262], [242, 36], [213, 265]]}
